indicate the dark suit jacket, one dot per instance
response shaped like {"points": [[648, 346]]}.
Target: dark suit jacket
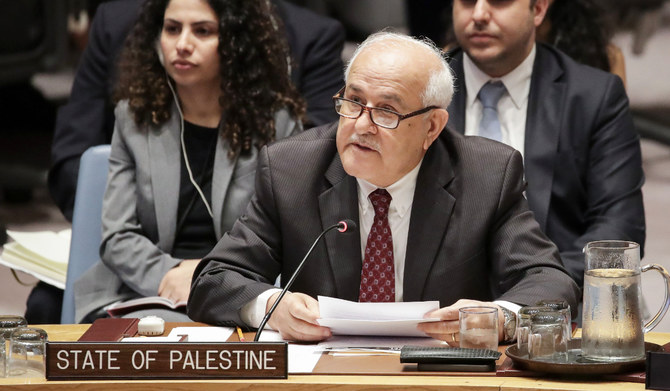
{"points": [[87, 119], [471, 234], [582, 155]]}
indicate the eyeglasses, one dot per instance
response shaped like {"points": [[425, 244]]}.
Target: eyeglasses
{"points": [[385, 118]]}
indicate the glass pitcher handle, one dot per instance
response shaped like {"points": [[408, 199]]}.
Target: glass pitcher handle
{"points": [[659, 315]]}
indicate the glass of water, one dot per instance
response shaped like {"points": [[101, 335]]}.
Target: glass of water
{"points": [[523, 325], [26, 358], [478, 327], [8, 323], [563, 308], [547, 340]]}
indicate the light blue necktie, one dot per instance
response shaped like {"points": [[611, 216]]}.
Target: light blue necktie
{"points": [[489, 95]]}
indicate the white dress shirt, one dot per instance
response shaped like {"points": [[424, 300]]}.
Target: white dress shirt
{"points": [[512, 107]]}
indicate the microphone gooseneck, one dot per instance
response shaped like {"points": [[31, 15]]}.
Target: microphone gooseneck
{"points": [[344, 226]]}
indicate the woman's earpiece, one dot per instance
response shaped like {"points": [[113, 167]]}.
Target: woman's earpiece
{"points": [[159, 52]]}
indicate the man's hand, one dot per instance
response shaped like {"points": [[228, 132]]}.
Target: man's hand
{"points": [[447, 329], [176, 283], [295, 318]]}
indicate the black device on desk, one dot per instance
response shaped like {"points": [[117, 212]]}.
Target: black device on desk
{"points": [[657, 376], [450, 359]]}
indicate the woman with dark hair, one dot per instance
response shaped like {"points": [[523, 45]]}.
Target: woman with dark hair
{"points": [[579, 29], [203, 85]]}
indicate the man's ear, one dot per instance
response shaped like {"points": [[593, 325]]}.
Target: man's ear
{"points": [[438, 120], [540, 11]]}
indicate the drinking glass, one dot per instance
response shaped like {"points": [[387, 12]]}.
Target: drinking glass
{"points": [[547, 340], [562, 307], [27, 347], [8, 323], [478, 327], [523, 325]]}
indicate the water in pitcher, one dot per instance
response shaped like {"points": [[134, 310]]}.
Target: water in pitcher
{"points": [[612, 322]]}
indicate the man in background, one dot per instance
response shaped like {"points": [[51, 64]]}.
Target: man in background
{"points": [[571, 122]]}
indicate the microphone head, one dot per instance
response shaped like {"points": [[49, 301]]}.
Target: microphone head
{"points": [[346, 225]]}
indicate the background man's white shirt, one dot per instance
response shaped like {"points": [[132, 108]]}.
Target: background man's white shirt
{"points": [[512, 107]]}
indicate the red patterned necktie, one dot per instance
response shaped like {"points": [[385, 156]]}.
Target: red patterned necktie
{"points": [[378, 274]]}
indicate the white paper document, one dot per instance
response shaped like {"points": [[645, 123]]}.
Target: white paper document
{"points": [[203, 334], [345, 317], [43, 254], [351, 345], [193, 334], [175, 339], [52, 246], [301, 358]]}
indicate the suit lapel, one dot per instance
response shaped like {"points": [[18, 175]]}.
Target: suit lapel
{"points": [[431, 212], [546, 103], [457, 107], [164, 158], [344, 251]]}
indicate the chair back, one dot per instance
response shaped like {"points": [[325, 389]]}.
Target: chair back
{"points": [[86, 221]]}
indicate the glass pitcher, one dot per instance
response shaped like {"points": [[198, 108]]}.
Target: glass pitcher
{"points": [[612, 317]]}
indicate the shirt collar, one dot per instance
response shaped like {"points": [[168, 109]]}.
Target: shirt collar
{"points": [[402, 192], [517, 82]]}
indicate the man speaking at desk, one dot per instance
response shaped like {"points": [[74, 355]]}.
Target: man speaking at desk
{"points": [[439, 218]]}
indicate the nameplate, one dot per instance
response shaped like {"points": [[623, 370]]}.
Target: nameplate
{"points": [[180, 360]]}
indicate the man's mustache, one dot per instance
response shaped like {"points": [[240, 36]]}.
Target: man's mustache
{"points": [[366, 141]]}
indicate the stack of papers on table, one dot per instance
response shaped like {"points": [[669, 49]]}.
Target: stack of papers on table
{"points": [[43, 254], [303, 357], [377, 319]]}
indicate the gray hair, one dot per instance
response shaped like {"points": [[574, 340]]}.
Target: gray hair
{"points": [[440, 86]]}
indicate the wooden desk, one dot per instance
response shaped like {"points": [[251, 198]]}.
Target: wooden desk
{"points": [[320, 382]]}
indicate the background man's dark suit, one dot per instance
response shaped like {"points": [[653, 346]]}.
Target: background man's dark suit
{"points": [[582, 155], [316, 45], [471, 234]]}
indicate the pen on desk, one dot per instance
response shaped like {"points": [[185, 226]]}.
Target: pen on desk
{"points": [[334, 348], [240, 334]]}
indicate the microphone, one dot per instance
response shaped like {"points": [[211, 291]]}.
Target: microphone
{"points": [[344, 226]]}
